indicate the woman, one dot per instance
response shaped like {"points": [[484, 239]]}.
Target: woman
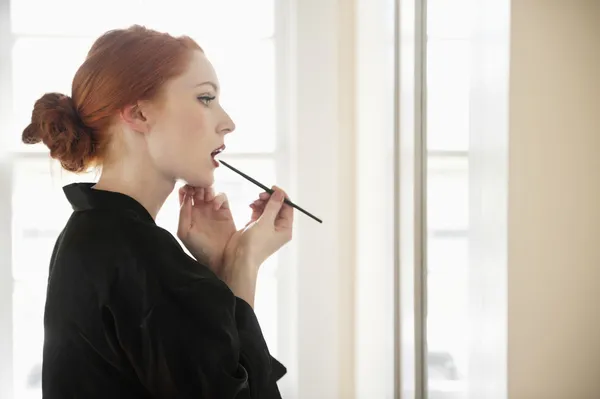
{"points": [[128, 313]]}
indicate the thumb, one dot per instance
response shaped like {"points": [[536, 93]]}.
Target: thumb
{"points": [[273, 206]]}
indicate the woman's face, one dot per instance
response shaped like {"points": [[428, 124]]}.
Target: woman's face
{"points": [[188, 125]]}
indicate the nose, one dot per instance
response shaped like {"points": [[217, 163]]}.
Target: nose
{"points": [[227, 125]]}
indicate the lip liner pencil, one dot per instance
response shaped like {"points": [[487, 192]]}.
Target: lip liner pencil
{"points": [[270, 191]]}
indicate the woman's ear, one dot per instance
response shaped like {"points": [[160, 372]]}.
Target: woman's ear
{"points": [[135, 117]]}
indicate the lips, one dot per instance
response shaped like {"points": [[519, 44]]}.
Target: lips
{"points": [[217, 151]]}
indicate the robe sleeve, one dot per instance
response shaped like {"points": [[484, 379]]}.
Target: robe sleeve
{"points": [[196, 340]]}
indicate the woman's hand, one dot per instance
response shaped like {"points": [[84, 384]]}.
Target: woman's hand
{"points": [[269, 228], [205, 225]]}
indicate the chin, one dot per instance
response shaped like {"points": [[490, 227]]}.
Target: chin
{"points": [[205, 179]]}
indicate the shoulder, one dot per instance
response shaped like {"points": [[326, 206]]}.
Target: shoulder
{"points": [[140, 253], [97, 237], [90, 253]]}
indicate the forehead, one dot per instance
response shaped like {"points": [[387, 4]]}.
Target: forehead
{"points": [[199, 70]]}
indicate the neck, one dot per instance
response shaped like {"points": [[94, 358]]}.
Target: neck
{"points": [[144, 184]]}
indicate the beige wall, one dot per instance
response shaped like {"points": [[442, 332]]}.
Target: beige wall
{"points": [[554, 200]]}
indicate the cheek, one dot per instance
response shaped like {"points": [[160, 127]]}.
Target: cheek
{"points": [[197, 134], [190, 124], [178, 143], [200, 122], [182, 130]]}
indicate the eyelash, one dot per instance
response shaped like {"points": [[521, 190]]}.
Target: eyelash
{"points": [[206, 100]]}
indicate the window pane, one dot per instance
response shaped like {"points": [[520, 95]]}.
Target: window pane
{"points": [[40, 211], [448, 129], [449, 19], [225, 19], [447, 193], [447, 323], [447, 261], [448, 88], [28, 338], [246, 74]]}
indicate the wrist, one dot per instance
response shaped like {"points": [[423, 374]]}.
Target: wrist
{"points": [[239, 264], [243, 264], [246, 259], [200, 256], [241, 276]]}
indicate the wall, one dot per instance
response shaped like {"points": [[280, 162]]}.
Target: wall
{"points": [[323, 163], [554, 200]]}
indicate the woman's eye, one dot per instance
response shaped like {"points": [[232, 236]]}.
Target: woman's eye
{"points": [[206, 100]]}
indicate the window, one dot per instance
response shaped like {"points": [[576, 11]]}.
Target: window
{"points": [[448, 96], [43, 51]]}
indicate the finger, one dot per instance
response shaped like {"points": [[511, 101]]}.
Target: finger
{"points": [[221, 201], [181, 194], [199, 194], [264, 196], [285, 218], [260, 202], [258, 207], [273, 205], [282, 190], [256, 212], [183, 190], [286, 214], [209, 194], [185, 216]]}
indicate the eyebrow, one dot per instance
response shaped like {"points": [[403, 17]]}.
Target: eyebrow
{"points": [[214, 86]]}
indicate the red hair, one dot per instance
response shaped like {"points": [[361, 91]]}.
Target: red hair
{"points": [[122, 67]]}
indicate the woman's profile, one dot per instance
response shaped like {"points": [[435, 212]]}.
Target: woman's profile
{"points": [[129, 314]]}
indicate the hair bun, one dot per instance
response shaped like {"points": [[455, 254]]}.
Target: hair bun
{"points": [[56, 122]]}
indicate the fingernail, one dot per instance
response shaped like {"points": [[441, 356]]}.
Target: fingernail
{"points": [[278, 196]]}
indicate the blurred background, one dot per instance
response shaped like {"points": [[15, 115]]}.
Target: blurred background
{"points": [[451, 148]]}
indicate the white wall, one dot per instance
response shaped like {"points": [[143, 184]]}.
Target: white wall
{"points": [[554, 200], [344, 163], [323, 162], [374, 284]]}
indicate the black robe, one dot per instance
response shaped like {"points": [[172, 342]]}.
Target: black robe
{"points": [[130, 315]]}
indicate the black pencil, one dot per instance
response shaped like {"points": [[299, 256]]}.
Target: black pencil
{"points": [[270, 191]]}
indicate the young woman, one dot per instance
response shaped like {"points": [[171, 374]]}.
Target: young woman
{"points": [[128, 313]]}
